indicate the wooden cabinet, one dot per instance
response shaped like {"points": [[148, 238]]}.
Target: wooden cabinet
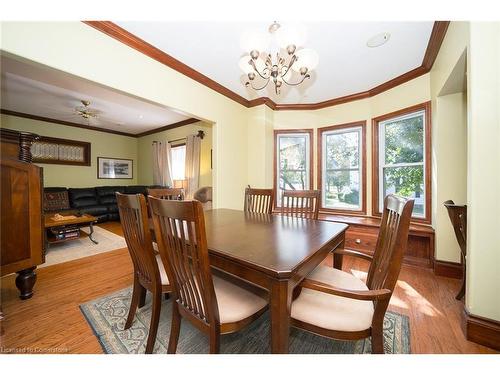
{"points": [[21, 245], [363, 232]]}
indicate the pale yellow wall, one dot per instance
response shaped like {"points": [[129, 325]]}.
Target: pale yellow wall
{"points": [[58, 45], [449, 140], [413, 92], [260, 146], [449, 169], [483, 241], [102, 144], [145, 151]]}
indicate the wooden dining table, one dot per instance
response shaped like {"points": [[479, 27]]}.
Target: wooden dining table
{"points": [[273, 252]]}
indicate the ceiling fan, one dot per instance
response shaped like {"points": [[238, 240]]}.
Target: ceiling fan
{"points": [[85, 111]]}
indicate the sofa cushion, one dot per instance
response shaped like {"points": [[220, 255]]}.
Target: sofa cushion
{"points": [[55, 199], [112, 208], [82, 197], [95, 210], [136, 189], [107, 194]]}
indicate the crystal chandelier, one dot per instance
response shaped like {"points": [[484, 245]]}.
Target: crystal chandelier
{"points": [[259, 65]]}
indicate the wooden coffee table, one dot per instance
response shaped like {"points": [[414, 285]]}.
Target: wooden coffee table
{"points": [[71, 221]]}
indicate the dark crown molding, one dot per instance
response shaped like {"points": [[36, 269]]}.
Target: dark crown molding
{"points": [[436, 39], [168, 127], [103, 130]]}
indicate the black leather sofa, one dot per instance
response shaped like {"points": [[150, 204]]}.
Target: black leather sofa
{"points": [[97, 201]]}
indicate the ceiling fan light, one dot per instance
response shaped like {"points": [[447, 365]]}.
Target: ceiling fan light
{"points": [[306, 58], [291, 35]]}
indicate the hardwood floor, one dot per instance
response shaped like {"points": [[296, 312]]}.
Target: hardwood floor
{"points": [[51, 321]]}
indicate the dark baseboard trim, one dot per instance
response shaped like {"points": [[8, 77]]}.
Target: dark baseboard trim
{"points": [[448, 269], [481, 330]]}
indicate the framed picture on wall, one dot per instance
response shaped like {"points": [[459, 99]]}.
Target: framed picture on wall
{"points": [[114, 168]]}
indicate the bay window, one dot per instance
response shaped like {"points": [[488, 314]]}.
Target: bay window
{"points": [[402, 158], [293, 159], [341, 178]]}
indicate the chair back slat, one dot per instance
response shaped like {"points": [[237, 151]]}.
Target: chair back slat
{"points": [[458, 217], [134, 220], [391, 243], [301, 203], [167, 193], [180, 232], [259, 200]]}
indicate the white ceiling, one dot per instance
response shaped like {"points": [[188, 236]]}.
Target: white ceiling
{"points": [[38, 90], [346, 65]]}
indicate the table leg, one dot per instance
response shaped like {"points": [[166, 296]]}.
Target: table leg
{"points": [[338, 258], [281, 301], [91, 226]]}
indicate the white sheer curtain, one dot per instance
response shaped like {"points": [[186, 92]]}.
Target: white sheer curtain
{"points": [[193, 147], [162, 164]]}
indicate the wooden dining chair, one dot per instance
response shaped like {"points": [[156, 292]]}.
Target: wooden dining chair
{"points": [[149, 272], [337, 304], [167, 193], [301, 203], [458, 217], [259, 200], [212, 304]]}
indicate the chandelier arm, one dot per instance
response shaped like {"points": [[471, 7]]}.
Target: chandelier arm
{"points": [[292, 61], [297, 83], [260, 88], [257, 71]]}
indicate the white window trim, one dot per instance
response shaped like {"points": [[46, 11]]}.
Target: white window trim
{"points": [[359, 130], [307, 170], [381, 158]]}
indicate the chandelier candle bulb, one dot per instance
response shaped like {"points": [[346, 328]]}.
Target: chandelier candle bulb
{"points": [[245, 65], [306, 58], [291, 35]]}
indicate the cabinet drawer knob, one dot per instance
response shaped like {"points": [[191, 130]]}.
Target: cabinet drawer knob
{"points": [[358, 240]]}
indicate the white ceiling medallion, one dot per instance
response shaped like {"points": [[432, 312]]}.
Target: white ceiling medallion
{"points": [[285, 42], [378, 40]]}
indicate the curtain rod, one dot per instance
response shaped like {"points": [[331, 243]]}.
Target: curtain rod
{"points": [[201, 134]]}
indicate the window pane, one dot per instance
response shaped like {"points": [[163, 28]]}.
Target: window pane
{"points": [[178, 162], [292, 153], [407, 182], [292, 180], [293, 163], [342, 190], [342, 150], [404, 140]]}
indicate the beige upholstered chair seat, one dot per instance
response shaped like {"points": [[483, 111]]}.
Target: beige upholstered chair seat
{"points": [[235, 303], [163, 273], [333, 312]]}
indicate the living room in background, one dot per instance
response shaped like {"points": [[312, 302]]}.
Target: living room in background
{"points": [[402, 158], [342, 167], [293, 157]]}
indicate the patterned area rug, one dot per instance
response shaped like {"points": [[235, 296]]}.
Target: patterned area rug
{"points": [[107, 316], [83, 247]]}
